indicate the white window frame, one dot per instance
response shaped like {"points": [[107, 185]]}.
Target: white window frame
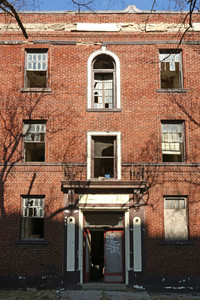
{"points": [[89, 150], [179, 146], [37, 69], [90, 81]]}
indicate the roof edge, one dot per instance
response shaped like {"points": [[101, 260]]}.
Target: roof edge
{"points": [[130, 9]]}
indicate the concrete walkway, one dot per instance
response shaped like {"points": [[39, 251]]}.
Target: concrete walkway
{"points": [[118, 295]]}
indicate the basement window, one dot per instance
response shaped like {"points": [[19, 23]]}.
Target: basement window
{"points": [[173, 141], [171, 69], [36, 69], [34, 141], [33, 218], [175, 218]]}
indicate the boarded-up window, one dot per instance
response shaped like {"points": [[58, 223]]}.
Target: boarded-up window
{"points": [[36, 69], [172, 141], [170, 69], [34, 141], [175, 218], [33, 218]]}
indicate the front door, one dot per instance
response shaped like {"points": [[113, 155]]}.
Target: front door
{"points": [[103, 255], [113, 256]]}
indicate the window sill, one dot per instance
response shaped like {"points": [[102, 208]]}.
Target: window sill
{"points": [[177, 242], [171, 90], [31, 242], [104, 110], [35, 90]]}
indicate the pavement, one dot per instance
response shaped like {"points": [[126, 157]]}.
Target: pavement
{"points": [[125, 295]]}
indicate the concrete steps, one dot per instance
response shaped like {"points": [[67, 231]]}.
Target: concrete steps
{"points": [[103, 286]]}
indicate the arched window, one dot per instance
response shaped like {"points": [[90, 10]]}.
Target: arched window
{"points": [[103, 81]]}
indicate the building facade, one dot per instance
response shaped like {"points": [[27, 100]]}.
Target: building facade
{"points": [[99, 160]]}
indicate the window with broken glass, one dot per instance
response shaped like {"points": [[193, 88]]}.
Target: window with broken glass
{"points": [[173, 141], [36, 69], [104, 157], [171, 69], [33, 218], [34, 142], [104, 82]]}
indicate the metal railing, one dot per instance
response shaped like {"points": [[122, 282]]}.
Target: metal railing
{"points": [[129, 172]]}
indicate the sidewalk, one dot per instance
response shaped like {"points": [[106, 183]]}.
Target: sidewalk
{"points": [[113, 295]]}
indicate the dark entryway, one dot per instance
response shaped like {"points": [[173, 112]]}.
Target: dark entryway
{"points": [[104, 248]]}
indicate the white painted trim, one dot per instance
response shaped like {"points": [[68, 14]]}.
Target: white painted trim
{"points": [[137, 244], [127, 246], [89, 76], [80, 246], [89, 147], [70, 244]]}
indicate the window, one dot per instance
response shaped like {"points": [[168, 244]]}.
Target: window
{"points": [[36, 69], [104, 156], [175, 218], [170, 69], [172, 141], [103, 81], [33, 218], [34, 141]]}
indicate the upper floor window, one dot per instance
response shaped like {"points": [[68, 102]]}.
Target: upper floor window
{"points": [[171, 69], [173, 141], [103, 81], [34, 141], [33, 217], [36, 69], [104, 155]]}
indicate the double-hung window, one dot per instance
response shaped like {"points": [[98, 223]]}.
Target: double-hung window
{"points": [[171, 76], [34, 141], [33, 217], [175, 218], [173, 141], [103, 82], [36, 69]]}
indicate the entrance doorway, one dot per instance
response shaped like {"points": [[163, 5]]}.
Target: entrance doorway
{"points": [[104, 248]]}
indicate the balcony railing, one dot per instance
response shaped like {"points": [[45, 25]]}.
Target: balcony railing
{"points": [[129, 172]]}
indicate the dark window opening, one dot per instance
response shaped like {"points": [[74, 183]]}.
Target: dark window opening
{"points": [[170, 70], [33, 228], [104, 163], [36, 79], [34, 142], [33, 218]]}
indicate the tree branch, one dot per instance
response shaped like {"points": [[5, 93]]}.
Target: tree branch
{"points": [[8, 5]]}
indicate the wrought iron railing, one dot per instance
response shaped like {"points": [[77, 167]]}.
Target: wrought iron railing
{"points": [[129, 172]]}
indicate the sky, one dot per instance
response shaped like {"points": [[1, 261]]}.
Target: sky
{"points": [[103, 4]]}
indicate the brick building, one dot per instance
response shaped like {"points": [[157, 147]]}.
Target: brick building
{"points": [[99, 138]]}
